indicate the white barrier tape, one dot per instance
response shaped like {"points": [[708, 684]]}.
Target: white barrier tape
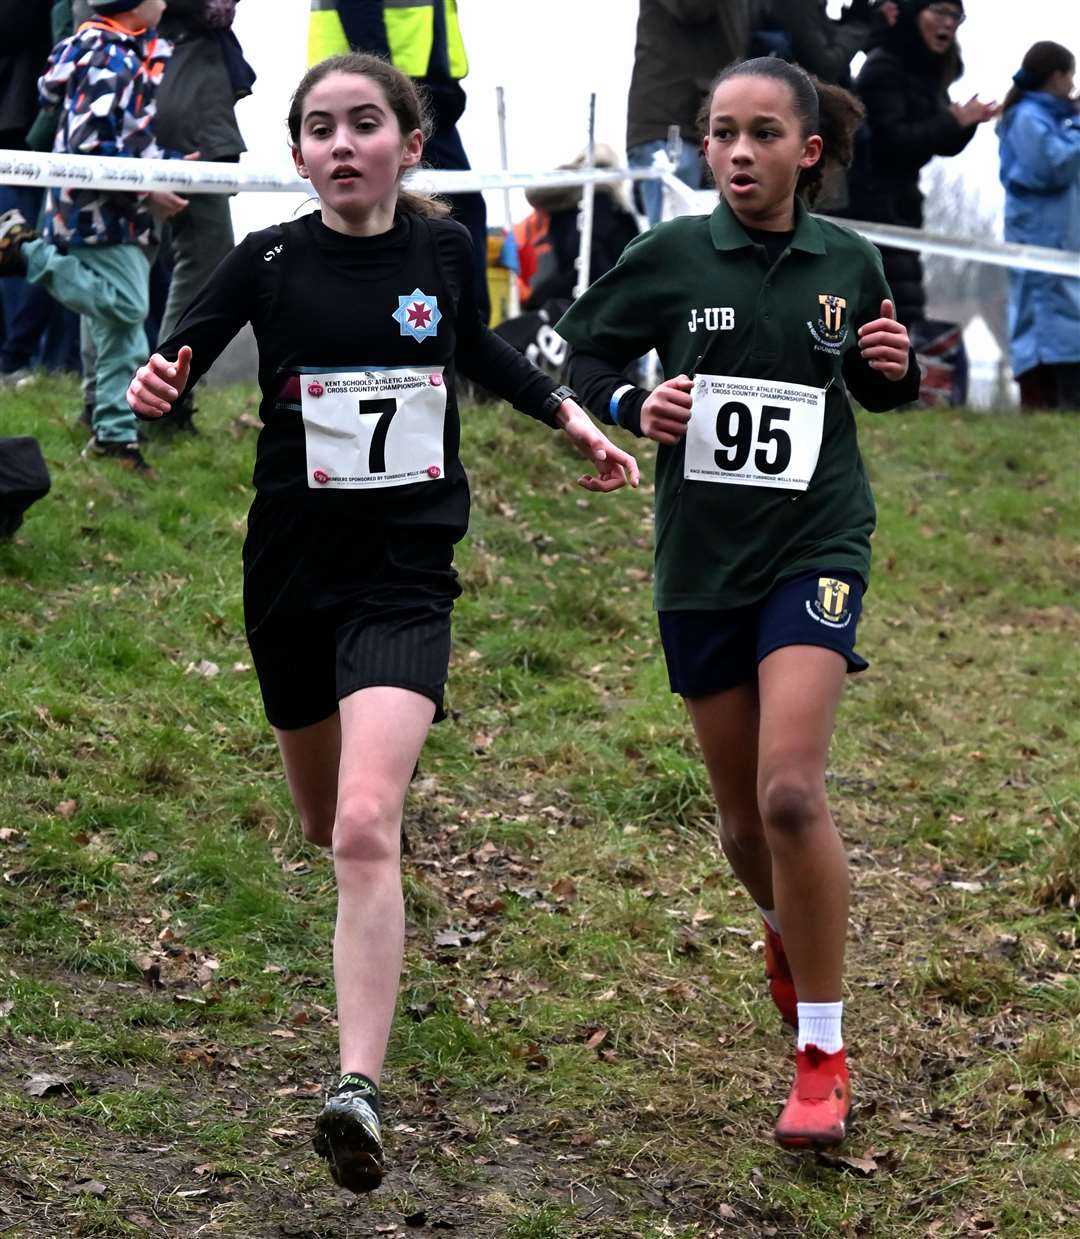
{"points": [[195, 176], [997, 253], [39, 169], [1000, 254]]}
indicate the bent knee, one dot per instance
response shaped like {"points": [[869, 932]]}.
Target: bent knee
{"points": [[791, 801], [318, 827], [367, 830], [741, 832]]}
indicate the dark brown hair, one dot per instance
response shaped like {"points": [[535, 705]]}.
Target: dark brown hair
{"points": [[402, 96], [829, 111], [1041, 60]]}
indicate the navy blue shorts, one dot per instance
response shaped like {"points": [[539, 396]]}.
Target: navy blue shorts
{"points": [[712, 651]]}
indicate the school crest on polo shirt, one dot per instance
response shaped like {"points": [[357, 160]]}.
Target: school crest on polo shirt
{"points": [[418, 315], [831, 329]]}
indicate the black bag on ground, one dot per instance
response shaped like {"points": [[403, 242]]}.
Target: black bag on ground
{"points": [[24, 479]]}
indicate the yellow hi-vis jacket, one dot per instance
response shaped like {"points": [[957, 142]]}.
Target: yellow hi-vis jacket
{"points": [[410, 35]]}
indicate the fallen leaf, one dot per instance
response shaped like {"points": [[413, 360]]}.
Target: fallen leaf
{"points": [[564, 888], [41, 1084], [597, 1039], [66, 808], [203, 667], [150, 969], [90, 1187]]}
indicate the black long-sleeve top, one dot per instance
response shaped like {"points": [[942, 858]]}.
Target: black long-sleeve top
{"points": [[317, 298]]}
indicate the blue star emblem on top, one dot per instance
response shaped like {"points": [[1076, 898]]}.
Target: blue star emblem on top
{"points": [[418, 315]]}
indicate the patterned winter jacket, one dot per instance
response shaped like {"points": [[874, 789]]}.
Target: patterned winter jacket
{"points": [[104, 80]]}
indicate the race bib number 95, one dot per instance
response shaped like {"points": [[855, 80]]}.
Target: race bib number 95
{"points": [[373, 428], [754, 432]]}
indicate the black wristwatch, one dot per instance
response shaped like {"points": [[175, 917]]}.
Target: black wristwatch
{"points": [[553, 403]]}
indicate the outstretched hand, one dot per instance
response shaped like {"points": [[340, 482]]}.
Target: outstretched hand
{"points": [[884, 344], [159, 384], [974, 112], [614, 466]]}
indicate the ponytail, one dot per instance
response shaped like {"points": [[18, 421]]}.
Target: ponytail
{"points": [[830, 111], [1042, 59]]}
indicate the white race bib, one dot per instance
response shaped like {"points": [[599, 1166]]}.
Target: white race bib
{"points": [[754, 432], [372, 428]]}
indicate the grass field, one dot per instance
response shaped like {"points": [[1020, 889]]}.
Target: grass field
{"points": [[584, 1044]]}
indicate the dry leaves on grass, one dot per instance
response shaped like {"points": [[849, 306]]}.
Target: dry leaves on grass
{"points": [[44, 1084]]}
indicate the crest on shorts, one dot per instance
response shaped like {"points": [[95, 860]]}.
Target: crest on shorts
{"points": [[831, 323], [832, 598], [418, 315]]}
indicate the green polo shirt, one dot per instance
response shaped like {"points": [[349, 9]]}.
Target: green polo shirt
{"points": [[700, 284]]}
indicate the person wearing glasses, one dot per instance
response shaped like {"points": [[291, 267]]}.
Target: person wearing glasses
{"points": [[904, 86]]}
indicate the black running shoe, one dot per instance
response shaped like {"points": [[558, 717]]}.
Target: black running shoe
{"points": [[348, 1135], [14, 232], [126, 455]]}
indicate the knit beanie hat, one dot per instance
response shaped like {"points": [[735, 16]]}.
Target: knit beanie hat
{"points": [[109, 8]]}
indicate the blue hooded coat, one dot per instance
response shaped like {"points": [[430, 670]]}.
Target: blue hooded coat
{"points": [[1040, 168]]}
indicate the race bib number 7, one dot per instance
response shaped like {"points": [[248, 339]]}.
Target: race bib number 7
{"points": [[754, 432], [365, 429]]}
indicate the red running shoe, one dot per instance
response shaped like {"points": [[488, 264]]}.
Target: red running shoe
{"points": [[817, 1109], [781, 982]]}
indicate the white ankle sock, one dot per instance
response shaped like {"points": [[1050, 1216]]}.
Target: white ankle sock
{"points": [[768, 915], [819, 1024]]}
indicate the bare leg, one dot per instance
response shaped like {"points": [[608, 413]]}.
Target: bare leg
{"points": [[726, 725], [348, 776], [799, 691], [382, 733], [311, 756]]}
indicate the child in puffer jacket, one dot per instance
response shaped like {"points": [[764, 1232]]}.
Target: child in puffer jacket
{"points": [[92, 256]]}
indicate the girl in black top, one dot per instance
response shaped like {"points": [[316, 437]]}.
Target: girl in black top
{"points": [[362, 313]]}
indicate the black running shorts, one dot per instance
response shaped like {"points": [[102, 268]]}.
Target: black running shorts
{"points": [[388, 626]]}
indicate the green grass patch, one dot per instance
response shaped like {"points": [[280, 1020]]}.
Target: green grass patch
{"points": [[584, 1045]]}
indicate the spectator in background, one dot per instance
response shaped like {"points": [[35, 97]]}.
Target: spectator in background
{"points": [[548, 240], [681, 46], [1039, 134], [802, 31], [904, 86], [32, 325], [69, 15], [196, 112], [423, 40], [93, 256]]}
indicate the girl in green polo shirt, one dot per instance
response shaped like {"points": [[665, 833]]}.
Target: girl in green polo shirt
{"points": [[767, 317]]}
